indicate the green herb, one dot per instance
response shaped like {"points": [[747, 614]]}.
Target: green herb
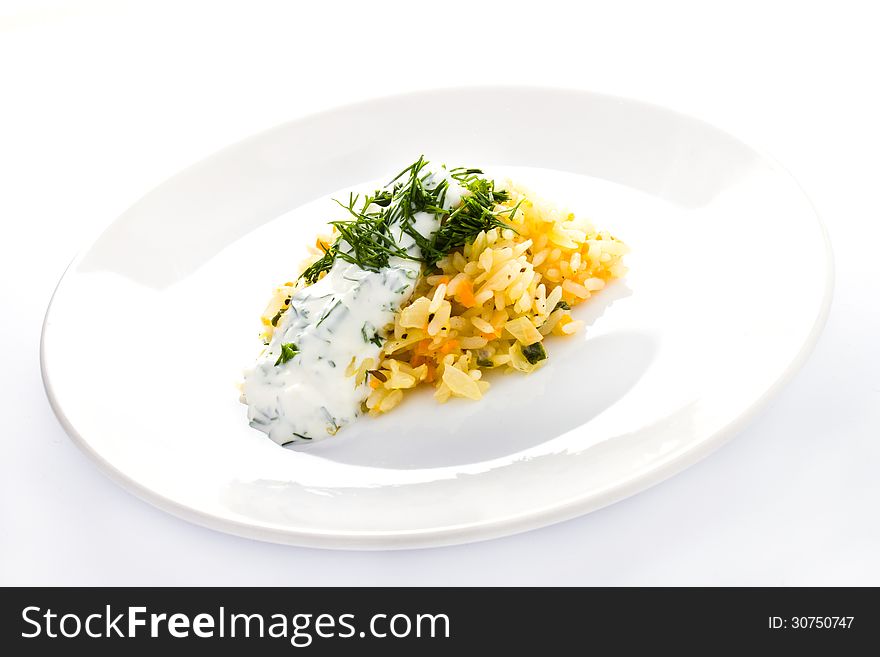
{"points": [[313, 272], [562, 304], [534, 353], [366, 240], [485, 362], [475, 214], [278, 316], [327, 314], [288, 351], [370, 334]]}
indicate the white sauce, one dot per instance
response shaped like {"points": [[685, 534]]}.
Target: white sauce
{"points": [[332, 322]]}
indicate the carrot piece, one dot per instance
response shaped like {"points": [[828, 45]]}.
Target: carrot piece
{"points": [[448, 346], [465, 294]]}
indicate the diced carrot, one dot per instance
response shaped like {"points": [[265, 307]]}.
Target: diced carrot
{"points": [[416, 360], [444, 280], [465, 294], [448, 346], [423, 347], [432, 372]]}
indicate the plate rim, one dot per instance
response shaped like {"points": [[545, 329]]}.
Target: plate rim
{"points": [[477, 530]]}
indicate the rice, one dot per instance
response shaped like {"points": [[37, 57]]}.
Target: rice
{"points": [[488, 305]]}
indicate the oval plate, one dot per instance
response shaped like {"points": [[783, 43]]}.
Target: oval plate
{"points": [[729, 285]]}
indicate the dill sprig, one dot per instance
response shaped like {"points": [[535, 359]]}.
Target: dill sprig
{"points": [[475, 214], [313, 272], [363, 240], [366, 239], [288, 351]]}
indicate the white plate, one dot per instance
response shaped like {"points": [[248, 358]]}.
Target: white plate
{"points": [[729, 286]]}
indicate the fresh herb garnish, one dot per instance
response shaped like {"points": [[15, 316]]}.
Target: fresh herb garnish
{"points": [[534, 353], [562, 304], [278, 316], [327, 314], [313, 272], [366, 240], [475, 214], [288, 351], [370, 334]]}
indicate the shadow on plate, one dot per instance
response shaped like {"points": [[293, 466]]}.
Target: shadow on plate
{"points": [[584, 377]]}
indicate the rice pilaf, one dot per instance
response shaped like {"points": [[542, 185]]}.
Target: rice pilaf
{"points": [[487, 305]]}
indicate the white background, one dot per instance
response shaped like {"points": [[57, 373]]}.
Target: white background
{"points": [[101, 101]]}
